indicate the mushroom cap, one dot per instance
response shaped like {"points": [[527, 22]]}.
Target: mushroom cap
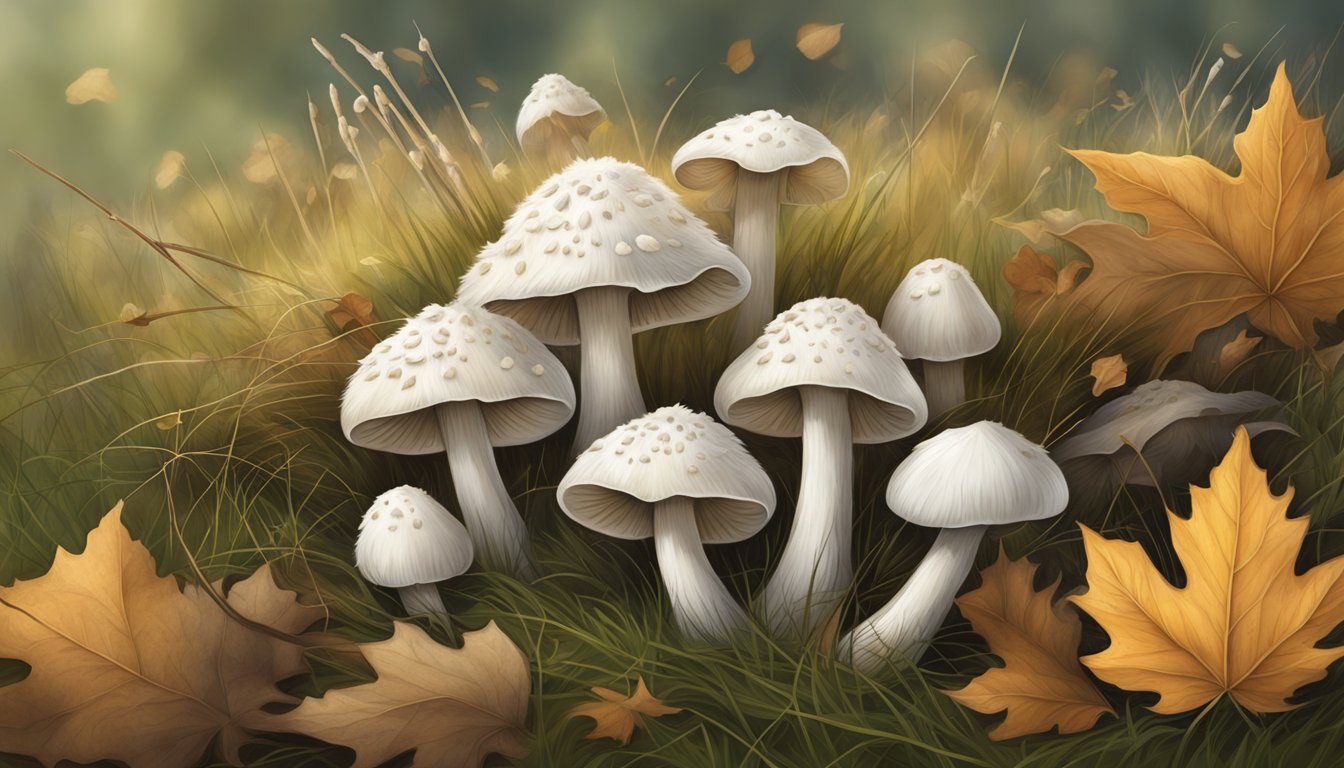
{"points": [[674, 451], [982, 474], [765, 142], [826, 343], [601, 222], [455, 353], [555, 102], [408, 538], [938, 314]]}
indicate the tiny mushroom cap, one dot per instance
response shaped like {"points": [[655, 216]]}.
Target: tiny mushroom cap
{"points": [[454, 353], [672, 452], [764, 142], [828, 343], [557, 104], [408, 538], [937, 313]]}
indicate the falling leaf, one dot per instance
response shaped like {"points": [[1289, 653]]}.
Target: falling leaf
{"points": [[344, 171], [259, 167], [170, 422], [501, 172], [1245, 624], [1264, 242], [406, 54], [740, 56], [817, 40], [1236, 351], [452, 706], [616, 716], [1108, 373], [487, 83], [1123, 101], [94, 85], [1231, 51], [1041, 685], [1036, 281], [480, 104], [169, 168], [353, 314], [128, 666], [671, 81]]}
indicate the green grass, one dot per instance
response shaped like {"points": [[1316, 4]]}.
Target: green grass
{"points": [[257, 471]]}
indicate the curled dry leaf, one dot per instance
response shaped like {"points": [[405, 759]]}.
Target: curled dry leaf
{"points": [[1036, 281], [487, 83], [353, 314], [740, 56], [169, 168], [616, 716], [1236, 351], [817, 40], [94, 85], [1108, 373]]}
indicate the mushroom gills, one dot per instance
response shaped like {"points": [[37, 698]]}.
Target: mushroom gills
{"points": [[608, 382], [755, 227], [701, 604]]}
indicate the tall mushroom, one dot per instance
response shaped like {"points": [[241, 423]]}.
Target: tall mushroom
{"points": [[824, 371], [598, 253], [458, 379], [557, 118], [751, 165], [408, 541], [677, 476], [938, 315], [962, 481]]}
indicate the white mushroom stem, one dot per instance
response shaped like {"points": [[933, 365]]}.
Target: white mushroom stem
{"points": [[701, 604], [608, 382], [944, 386], [814, 570], [907, 623], [755, 225], [497, 530], [423, 598]]}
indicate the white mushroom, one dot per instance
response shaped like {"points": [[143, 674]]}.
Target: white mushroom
{"points": [[458, 379], [599, 252], [408, 541], [824, 371], [557, 118], [962, 480], [683, 479], [752, 164], [938, 315]]}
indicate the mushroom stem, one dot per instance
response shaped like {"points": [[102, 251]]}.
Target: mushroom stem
{"points": [[497, 530], [755, 225], [609, 386], [814, 569], [944, 386], [701, 604], [908, 622], [423, 598]]}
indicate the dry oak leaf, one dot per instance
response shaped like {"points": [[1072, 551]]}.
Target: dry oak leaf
{"points": [[617, 716], [1246, 623], [127, 666], [1265, 242], [740, 56], [1036, 280], [1041, 684], [1108, 373], [452, 706], [817, 40]]}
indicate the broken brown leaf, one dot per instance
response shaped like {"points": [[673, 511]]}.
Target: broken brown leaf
{"points": [[616, 716]]}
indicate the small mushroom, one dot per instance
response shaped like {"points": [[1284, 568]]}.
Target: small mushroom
{"points": [[938, 315], [409, 542], [557, 118], [823, 371], [458, 379], [962, 481], [751, 165], [685, 480]]}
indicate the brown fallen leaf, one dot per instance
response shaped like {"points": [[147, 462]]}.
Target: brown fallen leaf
{"points": [[353, 314], [128, 666], [452, 706], [740, 56], [616, 716], [487, 83], [94, 85], [1036, 281], [1236, 351], [1108, 373], [817, 40]]}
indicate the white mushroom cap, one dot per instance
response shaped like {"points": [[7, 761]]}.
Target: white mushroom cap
{"points": [[938, 314], [765, 142], [455, 353], [673, 451], [601, 222], [827, 343], [408, 538], [554, 99], [982, 474]]}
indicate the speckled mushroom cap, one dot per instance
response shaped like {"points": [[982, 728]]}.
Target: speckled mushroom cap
{"points": [[982, 474], [455, 353], [406, 538], [674, 451], [602, 222], [765, 142], [555, 99], [937, 313], [827, 343]]}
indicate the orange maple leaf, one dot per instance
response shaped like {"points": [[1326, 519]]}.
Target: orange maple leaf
{"points": [[1036, 281], [617, 716]]}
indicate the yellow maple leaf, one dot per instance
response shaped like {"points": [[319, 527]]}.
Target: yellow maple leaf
{"points": [[1246, 623], [616, 716], [1040, 685], [1264, 242]]}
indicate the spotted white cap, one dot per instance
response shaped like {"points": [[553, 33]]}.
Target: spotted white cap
{"points": [[827, 343], [812, 169], [602, 222], [674, 451], [982, 474], [455, 353], [937, 313], [408, 538], [556, 105]]}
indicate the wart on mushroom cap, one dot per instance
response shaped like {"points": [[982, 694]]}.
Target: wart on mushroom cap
{"points": [[685, 480], [823, 370], [408, 541], [557, 117]]}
